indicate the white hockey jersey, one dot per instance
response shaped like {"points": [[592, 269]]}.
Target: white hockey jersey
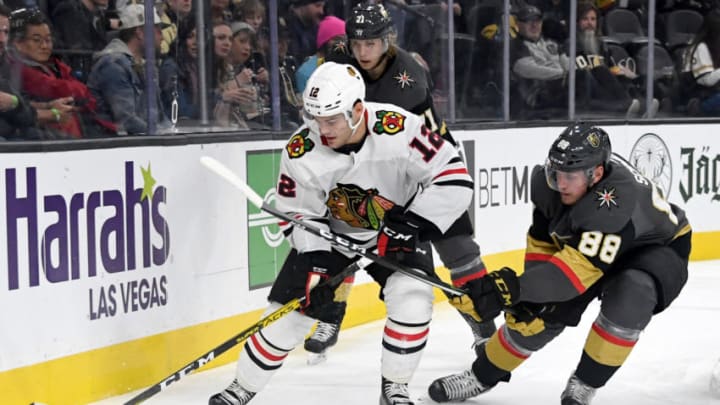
{"points": [[700, 63], [399, 162]]}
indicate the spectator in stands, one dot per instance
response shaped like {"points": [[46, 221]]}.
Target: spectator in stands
{"points": [[179, 74], [555, 18], [303, 20], [539, 65], [16, 115], [290, 98], [117, 78], [236, 95], [48, 81], [19, 119], [597, 85], [245, 57], [220, 11], [253, 13], [249, 81], [173, 13], [702, 60], [542, 67], [331, 34], [81, 27], [15, 112]]}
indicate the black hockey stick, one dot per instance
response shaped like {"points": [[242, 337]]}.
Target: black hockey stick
{"points": [[294, 304], [337, 240]]}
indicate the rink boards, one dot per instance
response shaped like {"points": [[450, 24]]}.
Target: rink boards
{"points": [[122, 265]]}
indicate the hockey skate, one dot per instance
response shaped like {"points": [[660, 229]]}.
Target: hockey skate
{"points": [[234, 394], [324, 337], [456, 387], [577, 392], [394, 393]]}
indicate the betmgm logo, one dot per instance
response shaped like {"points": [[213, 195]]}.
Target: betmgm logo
{"points": [[263, 220], [651, 157]]}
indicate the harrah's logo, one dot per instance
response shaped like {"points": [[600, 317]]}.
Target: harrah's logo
{"points": [[114, 236]]}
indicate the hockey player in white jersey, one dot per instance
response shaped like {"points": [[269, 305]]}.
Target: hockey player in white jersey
{"points": [[376, 175], [380, 62]]}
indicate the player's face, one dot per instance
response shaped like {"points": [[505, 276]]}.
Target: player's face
{"points": [[367, 52], [572, 186], [334, 129]]}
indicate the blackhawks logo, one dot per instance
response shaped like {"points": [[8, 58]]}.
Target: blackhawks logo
{"points": [[358, 207], [299, 144], [389, 122]]}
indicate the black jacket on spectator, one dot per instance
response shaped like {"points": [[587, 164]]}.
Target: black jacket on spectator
{"points": [[14, 124], [20, 123], [302, 38], [79, 29]]}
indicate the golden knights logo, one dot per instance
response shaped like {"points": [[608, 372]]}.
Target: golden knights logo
{"points": [[607, 198], [358, 207], [299, 144], [389, 122], [593, 139]]}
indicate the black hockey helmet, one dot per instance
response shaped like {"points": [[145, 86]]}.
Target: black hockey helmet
{"points": [[368, 21], [581, 146]]}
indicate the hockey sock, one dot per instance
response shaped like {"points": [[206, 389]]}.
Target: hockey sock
{"points": [[501, 356], [606, 348], [402, 349]]}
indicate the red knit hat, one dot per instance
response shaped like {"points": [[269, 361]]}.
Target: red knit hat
{"points": [[329, 28]]}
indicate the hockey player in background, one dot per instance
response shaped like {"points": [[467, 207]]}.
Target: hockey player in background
{"points": [[600, 229], [376, 175], [393, 76]]}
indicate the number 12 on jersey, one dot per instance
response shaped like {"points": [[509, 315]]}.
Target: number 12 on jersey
{"points": [[429, 146]]}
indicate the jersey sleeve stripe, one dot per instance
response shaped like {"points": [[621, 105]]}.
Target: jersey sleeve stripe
{"points": [[460, 183], [451, 172], [557, 262], [463, 280]]}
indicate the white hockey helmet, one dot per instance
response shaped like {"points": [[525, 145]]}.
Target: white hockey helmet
{"points": [[333, 89]]}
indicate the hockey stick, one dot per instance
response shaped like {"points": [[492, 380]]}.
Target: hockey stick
{"points": [[294, 304], [333, 238]]}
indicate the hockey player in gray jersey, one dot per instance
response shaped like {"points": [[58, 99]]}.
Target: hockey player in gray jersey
{"points": [[375, 174], [600, 229], [393, 76]]}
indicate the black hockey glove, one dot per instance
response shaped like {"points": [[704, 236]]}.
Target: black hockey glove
{"points": [[491, 294], [318, 267], [398, 238]]}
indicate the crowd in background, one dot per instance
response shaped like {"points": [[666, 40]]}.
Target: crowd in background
{"points": [[76, 68]]}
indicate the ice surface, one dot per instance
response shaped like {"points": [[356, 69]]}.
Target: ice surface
{"points": [[671, 363]]}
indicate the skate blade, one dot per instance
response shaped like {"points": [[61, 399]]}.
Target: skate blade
{"points": [[316, 358]]}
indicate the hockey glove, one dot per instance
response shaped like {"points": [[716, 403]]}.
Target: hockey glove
{"points": [[398, 238], [491, 294], [318, 267]]}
